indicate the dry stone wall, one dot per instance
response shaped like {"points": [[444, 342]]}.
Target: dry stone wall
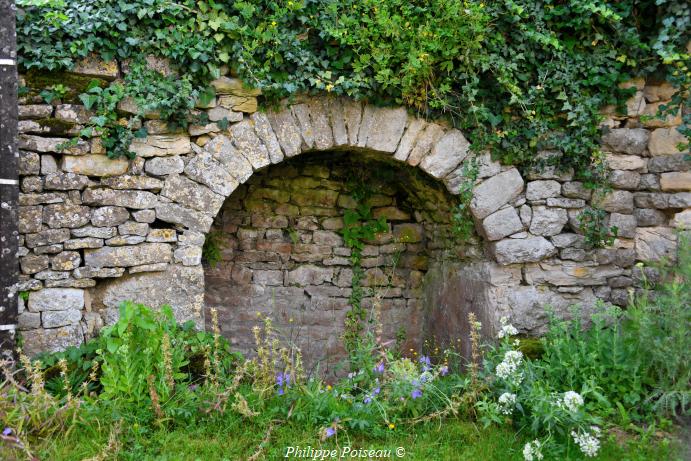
{"points": [[96, 231]]}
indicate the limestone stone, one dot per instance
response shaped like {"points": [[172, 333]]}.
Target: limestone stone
{"points": [[676, 181], [651, 110], [30, 111], [268, 277], [192, 194], [205, 170], [632, 141], [382, 128], [625, 162], [655, 244], [81, 243], [32, 263], [161, 145], [448, 152], [29, 163], [178, 214], [188, 256], [319, 117], [391, 213], [52, 275], [622, 179], [48, 164], [38, 199], [287, 131], [108, 216], [540, 190], [327, 238], [249, 145], [651, 200], [124, 198], [561, 202], [222, 150], [238, 103], [181, 287], [146, 253], [29, 320], [309, 275], [66, 215], [30, 218], [92, 231], [56, 299], [424, 142], [680, 200], [234, 86], [65, 181], [526, 214], [682, 220], [502, 223], [31, 184], [569, 273], [91, 272], [666, 163], [48, 249], [47, 237], [301, 114], [616, 201], [414, 127], [337, 117], [94, 165], [262, 126], [145, 216], [548, 221], [133, 228], [219, 113], [512, 251], [198, 130], [162, 235], [649, 182], [93, 66], [664, 141], [161, 166], [52, 145], [655, 93], [495, 192], [72, 113], [625, 224], [156, 267], [66, 261], [646, 217], [52, 339], [53, 319], [138, 182]]}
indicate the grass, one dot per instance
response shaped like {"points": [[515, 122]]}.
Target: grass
{"points": [[232, 438]]}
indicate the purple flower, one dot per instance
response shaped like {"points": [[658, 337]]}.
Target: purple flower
{"points": [[281, 391], [444, 370], [416, 393], [376, 391], [282, 380], [330, 431], [368, 399], [379, 368], [426, 362], [7, 431]]}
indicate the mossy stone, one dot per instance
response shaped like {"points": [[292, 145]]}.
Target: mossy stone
{"points": [[38, 80]]}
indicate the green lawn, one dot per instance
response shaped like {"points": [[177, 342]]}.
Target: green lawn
{"points": [[231, 438]]}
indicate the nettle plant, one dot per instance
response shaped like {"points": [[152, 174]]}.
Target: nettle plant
{"points": [[516, 76]]}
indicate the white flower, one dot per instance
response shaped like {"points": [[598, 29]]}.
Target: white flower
{"points": [[507, 330], [507, 401], [507, 368], [572, 401], [531, 451], [588, 443]]}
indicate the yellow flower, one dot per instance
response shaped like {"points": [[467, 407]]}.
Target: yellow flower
{"points": [[328, 387], [273, 23], [392, 426]]}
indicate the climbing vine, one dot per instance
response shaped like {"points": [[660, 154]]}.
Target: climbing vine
{"points": [[359, 227], [517, 76]]}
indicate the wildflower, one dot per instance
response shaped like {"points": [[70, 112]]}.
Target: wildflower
{"points": [[7, 431], [283, 382], [330, 431], [379, 368], [426, 363], [531, 451], [416, 393], [392, 426], [588, 443], [444, 370], [328, 387], [507, 401], [507, 368], [572, 401]]}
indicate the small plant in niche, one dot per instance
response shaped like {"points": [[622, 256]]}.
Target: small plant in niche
{"points": [[213, 247], [593, 224]]}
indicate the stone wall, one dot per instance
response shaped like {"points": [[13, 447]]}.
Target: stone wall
{"points": [[283, 256], [96, 231]]}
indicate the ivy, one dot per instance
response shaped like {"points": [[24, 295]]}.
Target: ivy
{"points": [[519, 77], [359, 227]]}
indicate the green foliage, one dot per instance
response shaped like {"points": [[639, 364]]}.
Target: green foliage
{"points": [[212, 251], [593, 223], [462, 220], [518, 77], [54, 92]]}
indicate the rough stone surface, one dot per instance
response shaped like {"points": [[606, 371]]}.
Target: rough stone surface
{"points": [[539, 190], [66, 215], [451, 149], [382, 128], [656, 244], [627, 140], [512, 251], [161, 166], [56, 299], [495, 192], [146, 253], [124, 198], [108, 216], [548, 221], [502, 223]]}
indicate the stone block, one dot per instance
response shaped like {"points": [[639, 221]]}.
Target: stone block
{"points": [[540, 190], [548, 221], [146, 253], [108, 216], [161, 145], [632, 141], [655, 244], [138, 182], [447, 153], [56, 299], [676, 181], [495, 192], [161, 166], [501, 224], [192, 194], [30, 219], [309, 275], [52, 339], [665, 141], [626, 162], [33, 263], [178, 214], [53, 319], [625, 224], [123, 198], [204, 169], [65, 261], [512, 251], [66, 215], [382, 128]]}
